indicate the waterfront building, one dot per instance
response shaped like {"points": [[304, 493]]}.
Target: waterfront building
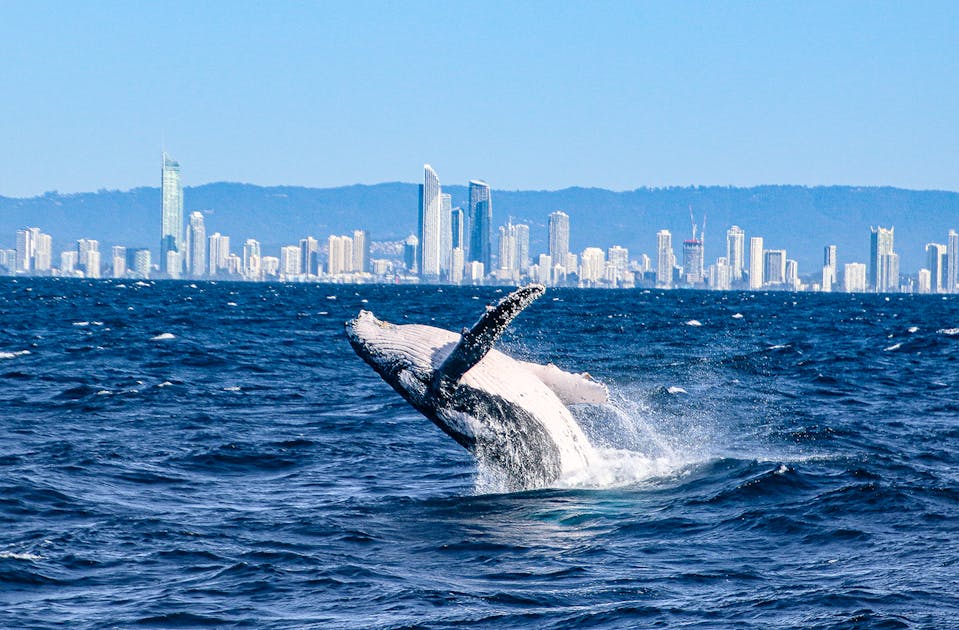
{"points": [[68, 262], [309, 256], [592, 265], [830, 263], [936, 262], [43, 253], [142, 262], [880, 245], [457, 265], [252, 260], [693, 263], [480, 223], [361, 251], [269, 266], [219, 252], [290, 264], [854, 278], [665, 259], [721, 275], [196, 245], [458, 230], [792, 274], [558, 237], [429, 224], [774, 267], [952, 262], [340, 259], [544, 269], [119, 255], [446, 233], [521, 247], [411, 253], [617, 264], [756, 279], [735, 252], [88, 257], [925, 284], [171, 219]]}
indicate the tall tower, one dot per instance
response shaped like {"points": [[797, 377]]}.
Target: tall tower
{"points": [[361, 251], [481, 223], [829, 264], [458, 228], [952, 262], [446, 232], [197, 245], [693, 264], [171, 219], [559, 238], [665, 259], [429, 223], [880, 244], [735, 252], [756, 262]]}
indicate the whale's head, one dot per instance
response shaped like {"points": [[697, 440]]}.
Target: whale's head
{"points": [[397, 354]]}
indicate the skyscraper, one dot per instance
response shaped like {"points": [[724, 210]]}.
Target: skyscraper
{"points": [[219, 253], [196, 239], [559, 237], [952, 262], [829, 265], [936, 262], [119, 261], [693, 254], [458, 231], [290, 266], [429, 223], [665, 259], [171, 220], [735, 252], [521, 243], [361, 251], [309, 256], [340, 259], [480, 224], [251, 260], [880, 244], [446, 232], [756, 263], [774, 267]]}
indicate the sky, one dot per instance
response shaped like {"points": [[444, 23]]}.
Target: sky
{"points": [[526, 95]]}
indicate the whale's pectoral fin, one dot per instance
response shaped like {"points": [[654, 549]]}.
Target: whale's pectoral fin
{"points": [[571, 389], [478, 340]]}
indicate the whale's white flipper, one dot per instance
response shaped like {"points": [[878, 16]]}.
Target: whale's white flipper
{"points": [[572, 389]]}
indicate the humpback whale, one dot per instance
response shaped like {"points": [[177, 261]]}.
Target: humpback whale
{"points": [[511, 415]]}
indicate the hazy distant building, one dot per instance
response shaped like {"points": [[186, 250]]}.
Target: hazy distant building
{"points": [[340, 259], [290, 261], [735, 252], [309, 256], [68, 262], [880, 244], [936, 262], [34, 251], [43, 253], [665, 259], [458, 231], [88, 257], [251, 260], [429, 223], [171, 219], [457, 265], [361, 251], [219, 253], [196, 245], [446, 232], [411, 253], [544, 269], [119, 255], [720, 275], [925, 284], [756, 278], [592, 265], [269, 266], [792, 274], [830, 263], [617, 264], [521, 243], [693, 263], [142, 261], [952, 262], [854, 277], [558, 237], [774, 267], [480, 224]]}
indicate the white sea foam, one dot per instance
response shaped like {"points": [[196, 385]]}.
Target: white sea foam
{"points": [[737, 315], [12, 555], [894, 346], [913, 329], [694, 322], [673, 389], [234, 388], [163, 336], [165, 384], [13, 355], [948, 331]]}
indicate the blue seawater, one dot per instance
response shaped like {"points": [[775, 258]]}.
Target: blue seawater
{"points": [[188, 454]]}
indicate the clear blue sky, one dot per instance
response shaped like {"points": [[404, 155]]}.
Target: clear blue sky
{"points": [[525, 95]]}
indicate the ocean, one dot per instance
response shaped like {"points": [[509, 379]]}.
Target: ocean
{"points": [[178, 454]]}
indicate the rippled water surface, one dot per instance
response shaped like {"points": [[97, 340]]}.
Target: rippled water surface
{"points": [[178, 453]]}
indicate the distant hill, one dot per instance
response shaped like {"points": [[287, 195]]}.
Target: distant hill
{"points": [[799, 219]]}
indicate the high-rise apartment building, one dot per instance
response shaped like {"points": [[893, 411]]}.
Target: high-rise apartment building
{"points": [[830, 264], [592, 265], [952, 262], [735, 252], [521, 243], [88, 257], [559, 237], [854, 277], [340, 259], [937, 260], [252, 260], [290, 266], [219, 251], [119, 255], [429, 224], [774, 267], [665, 259], [480, 224], [458, 231], [43, 252], [361, 251], [171, 218], [446, 232], [196, 245], [756, 263], [880, 244], [309, 256], [693, 263]]}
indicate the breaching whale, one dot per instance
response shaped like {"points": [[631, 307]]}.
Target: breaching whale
{"points": [[510, 414]]}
